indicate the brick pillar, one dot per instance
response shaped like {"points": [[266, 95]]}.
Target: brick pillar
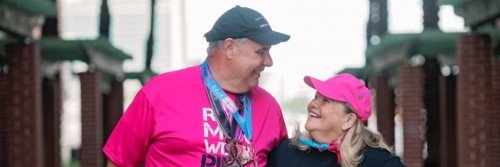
{"points": [[411, 82], [474, 102], [385, 108], [432, 72], [3, 126], [113, 107], [448, 120], [495, 116], [92, 126], [23, 108], [52, 121]]}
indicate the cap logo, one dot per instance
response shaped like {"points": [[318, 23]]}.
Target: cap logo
{"points": [[360, 97], [264, 20]]}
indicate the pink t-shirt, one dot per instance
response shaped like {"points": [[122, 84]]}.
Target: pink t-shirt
{"points": [[171, 123]]}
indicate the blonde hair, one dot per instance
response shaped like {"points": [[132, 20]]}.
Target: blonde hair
{"points": [[351, 144]]}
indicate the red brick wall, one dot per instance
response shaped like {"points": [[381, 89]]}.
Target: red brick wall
{"points": [[92, 122], [3, 128], [474, 104], [23, 106], [495, 116], [384, 108], [52, 121], [411, 86]]}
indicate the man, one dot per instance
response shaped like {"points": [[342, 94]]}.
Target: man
{"points": [[213, 114]]}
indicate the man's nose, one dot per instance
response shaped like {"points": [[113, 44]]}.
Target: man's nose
{"points": [[268, 60]]}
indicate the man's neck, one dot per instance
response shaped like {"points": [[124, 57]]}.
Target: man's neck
{"points": [[222, 75]]}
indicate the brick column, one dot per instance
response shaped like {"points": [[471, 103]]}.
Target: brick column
{"points": [[23, 118], [495, 116], [385, 107], [92, 126], [3, 126], [474, 101], [113, 107], [411, 83], [52, 121], [448, 120]]}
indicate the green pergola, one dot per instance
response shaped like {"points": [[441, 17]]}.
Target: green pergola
{"points": [[99, 52], [35, 7], [396, 48], [56, 49]]}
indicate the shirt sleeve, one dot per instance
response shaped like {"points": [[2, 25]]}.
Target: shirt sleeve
{"points": [[127, 144]]}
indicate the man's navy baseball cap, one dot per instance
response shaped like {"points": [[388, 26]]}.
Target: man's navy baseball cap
{"points": [[242, 22]]}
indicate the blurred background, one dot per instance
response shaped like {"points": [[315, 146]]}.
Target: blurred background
{"points": [[69, 68]]}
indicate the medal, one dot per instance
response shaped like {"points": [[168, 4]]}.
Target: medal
{"points": [[239, 154], [233, 159], [248, 155]]}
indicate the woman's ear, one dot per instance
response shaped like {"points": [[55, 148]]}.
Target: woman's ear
{"points": [[349, 121]]}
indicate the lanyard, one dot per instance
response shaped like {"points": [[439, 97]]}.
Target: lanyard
{"points": [[218, 97]]}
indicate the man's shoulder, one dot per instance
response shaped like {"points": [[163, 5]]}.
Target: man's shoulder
{"points": [[182, 76], [259, 91], [259, 94], [178, 76]]}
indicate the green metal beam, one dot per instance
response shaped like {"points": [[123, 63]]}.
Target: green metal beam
{"points": [[35, 7], [56, 49], [453, 2]]}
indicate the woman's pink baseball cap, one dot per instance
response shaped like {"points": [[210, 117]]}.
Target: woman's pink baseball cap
{"points": [[345, 88]]}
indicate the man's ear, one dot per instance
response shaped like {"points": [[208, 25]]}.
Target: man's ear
{"points": [[349, 121], [229, 47]]}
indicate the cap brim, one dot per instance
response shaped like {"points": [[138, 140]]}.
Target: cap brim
{"points": [[323, 88], [270, 38]]}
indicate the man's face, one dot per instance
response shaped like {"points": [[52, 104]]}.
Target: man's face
{"points": [[250, 61]]}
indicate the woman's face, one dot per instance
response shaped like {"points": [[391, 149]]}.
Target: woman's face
{"points": [[325, 119]]}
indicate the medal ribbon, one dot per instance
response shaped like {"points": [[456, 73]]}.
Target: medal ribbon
{"points": [[229, 107]]}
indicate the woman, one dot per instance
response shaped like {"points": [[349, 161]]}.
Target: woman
{"points": [[336, 134]]}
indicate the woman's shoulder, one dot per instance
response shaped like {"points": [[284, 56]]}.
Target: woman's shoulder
{"points": [[376, 152], [379, 157]]}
